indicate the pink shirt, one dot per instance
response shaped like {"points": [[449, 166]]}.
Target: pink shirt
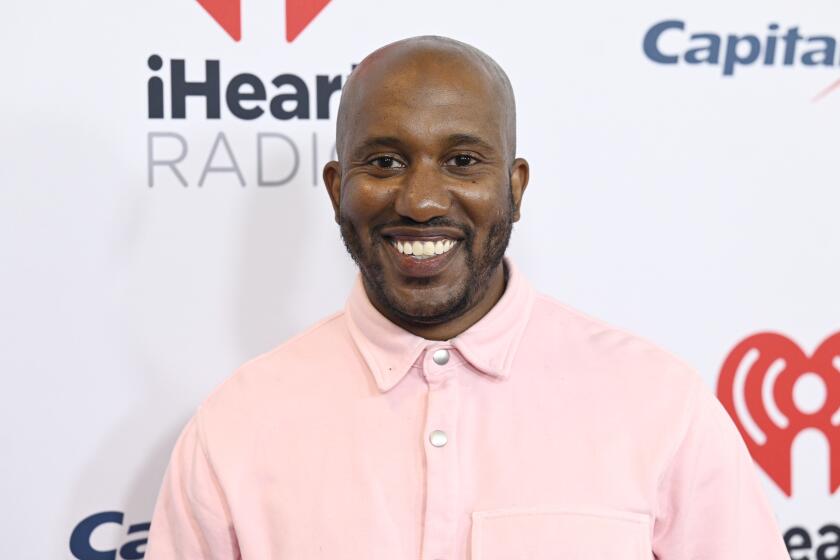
{"points": [[539, 433]]}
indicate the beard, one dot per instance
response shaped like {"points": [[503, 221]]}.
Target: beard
{"points": [[461, 297]]}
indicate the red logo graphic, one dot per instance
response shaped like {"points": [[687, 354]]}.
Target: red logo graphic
{"points": [[757, 386], [228, 14]]}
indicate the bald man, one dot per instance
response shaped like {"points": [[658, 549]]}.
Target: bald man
{"points": [[450, 411]]}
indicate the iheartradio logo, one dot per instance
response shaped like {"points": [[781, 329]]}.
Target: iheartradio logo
{"points": [[773, 391]]}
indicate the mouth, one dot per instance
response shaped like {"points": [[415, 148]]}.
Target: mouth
{"points": [[421, 256], [424, 249]]}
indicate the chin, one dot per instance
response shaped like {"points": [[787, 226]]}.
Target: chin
{"points": [[430, 306]]}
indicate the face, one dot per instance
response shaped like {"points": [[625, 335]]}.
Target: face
{"points": [[426, 191]]}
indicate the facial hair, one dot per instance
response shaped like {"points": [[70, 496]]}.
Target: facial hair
{"points": [[480, 267]]}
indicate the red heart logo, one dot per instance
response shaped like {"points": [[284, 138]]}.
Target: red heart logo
{"points": [[756, 386], [228, 14]]}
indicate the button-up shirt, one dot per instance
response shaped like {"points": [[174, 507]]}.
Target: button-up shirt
{"points": [[538, 433]]}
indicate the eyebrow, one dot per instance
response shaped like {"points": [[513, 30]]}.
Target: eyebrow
{"points": [[377, 142], [458, 139], [470, 139]]}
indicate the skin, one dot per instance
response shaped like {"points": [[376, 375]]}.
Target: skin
{"points": [[426, 143]]}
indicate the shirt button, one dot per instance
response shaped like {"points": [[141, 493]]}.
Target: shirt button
{"points": [[438, 438], [441, 356]]}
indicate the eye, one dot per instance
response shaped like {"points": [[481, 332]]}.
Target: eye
{"points": [[462, 160], [386, 162]]}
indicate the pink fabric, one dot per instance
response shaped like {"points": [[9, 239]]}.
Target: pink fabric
{"points": [[566, 438]]}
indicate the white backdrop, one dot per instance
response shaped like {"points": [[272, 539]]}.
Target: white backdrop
{"points": [[690, 207]]}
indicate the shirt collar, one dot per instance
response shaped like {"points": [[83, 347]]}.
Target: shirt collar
{"points": [[489, 345]]}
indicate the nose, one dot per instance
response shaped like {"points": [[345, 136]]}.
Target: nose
{"points": [[424, 193]]}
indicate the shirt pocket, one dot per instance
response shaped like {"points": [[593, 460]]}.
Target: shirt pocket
{"points": [[558, 533]]}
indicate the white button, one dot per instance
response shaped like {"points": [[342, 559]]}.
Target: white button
{"points": [[441, 356], [438, 438]]}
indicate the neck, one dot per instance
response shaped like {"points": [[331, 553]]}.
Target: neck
{"points": [[454, 327]]}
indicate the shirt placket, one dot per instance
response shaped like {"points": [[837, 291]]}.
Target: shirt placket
{"points": [[440, 442]]}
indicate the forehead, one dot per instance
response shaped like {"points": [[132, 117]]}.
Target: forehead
{"points": [[423, 100]]}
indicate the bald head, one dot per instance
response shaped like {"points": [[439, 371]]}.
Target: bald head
{"points": [[417, 63]]}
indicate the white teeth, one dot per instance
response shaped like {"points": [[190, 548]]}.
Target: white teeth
{"points": [[423, 249]]}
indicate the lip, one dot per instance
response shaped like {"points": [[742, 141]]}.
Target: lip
{"points": [[420, 268], [407, 265], [422, 234]]}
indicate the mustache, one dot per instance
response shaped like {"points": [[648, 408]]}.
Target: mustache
{"points": [[440, 221]]}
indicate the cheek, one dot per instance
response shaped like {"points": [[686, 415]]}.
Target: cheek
{"points": [[362, 201], [485, 202]]}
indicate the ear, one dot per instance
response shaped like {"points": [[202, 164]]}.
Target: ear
{"points": [[332, 180], [519, 172]]}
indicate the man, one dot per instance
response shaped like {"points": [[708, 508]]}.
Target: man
{"points": [[450, 412]]}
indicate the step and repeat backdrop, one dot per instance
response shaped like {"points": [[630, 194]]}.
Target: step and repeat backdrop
{"points": [[162, 220]]}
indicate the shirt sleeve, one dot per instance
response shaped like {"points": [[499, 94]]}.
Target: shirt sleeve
{"points": [[191, 517], [710, 502]]}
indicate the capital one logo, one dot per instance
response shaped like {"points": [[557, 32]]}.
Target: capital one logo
{"points": [[773, 391], [671, 42], [228, 14]]}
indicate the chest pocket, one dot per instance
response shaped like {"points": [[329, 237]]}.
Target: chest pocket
{"points": [[556, 533]]}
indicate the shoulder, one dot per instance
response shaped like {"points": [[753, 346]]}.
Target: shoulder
{"points": [[627, 373], [266, 379], [596, 341]]}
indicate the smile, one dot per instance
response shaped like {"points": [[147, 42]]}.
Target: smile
{"points": [[423, 249]]}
